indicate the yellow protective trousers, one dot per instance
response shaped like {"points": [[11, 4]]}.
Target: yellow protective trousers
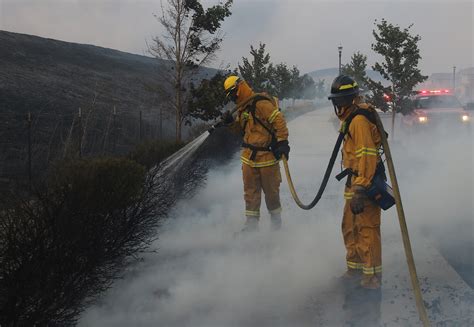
{"points": [[267, 179], [362, 236]]}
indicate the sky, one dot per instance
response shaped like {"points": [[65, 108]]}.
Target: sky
{"points": [[305, 33]]}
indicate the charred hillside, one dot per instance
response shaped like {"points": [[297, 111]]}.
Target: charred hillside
{"points": [[52, 79]]}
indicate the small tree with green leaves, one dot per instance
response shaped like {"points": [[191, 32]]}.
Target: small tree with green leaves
{"points": [[208, 98], [191, 38], [401, 54], [282, 81], [295, 83], [356, 68], [258, 72]]}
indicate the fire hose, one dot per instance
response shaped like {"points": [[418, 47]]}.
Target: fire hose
{"points": [[403, 227], [398, 202], [327, 174]]}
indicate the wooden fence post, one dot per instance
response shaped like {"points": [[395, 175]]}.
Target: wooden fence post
{"points": [[80, 132], [114, 134], [140, 128], [30, 175]]}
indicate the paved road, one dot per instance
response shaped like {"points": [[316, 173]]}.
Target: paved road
{"points": [[202, 275]]}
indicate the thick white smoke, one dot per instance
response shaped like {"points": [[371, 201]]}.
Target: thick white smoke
{"points": [[203, 275]]}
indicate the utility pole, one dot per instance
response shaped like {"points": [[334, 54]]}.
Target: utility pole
{"points": [[339, 48], [454, 79], [29, 151]]}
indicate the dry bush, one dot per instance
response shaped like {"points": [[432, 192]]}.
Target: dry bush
{"points": [[65, 245]]}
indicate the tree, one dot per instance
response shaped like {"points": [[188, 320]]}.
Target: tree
{"points": [[356, 68], [208, 99], [282, 81], [400, 66], [190, 40], [306, 88], [320, 89], [278, 80], [295, 83], [258, 72]]}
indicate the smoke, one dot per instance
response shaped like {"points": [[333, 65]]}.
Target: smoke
{"points": [[204, 274], [436, 167]]}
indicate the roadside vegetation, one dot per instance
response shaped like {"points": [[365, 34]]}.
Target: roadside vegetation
{"points": [[208, 100], [64, 242], [150, 153], [191, 38]]}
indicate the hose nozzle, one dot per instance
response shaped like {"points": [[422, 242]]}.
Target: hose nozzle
{"points": [[216, 125]]}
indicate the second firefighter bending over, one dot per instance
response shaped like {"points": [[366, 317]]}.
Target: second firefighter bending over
{"points": [[361, 158], [265, 140]]}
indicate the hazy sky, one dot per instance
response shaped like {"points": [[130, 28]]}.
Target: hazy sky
{"points": [[305, 33]]}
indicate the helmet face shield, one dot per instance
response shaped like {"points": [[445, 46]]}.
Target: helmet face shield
{"points": [[344, 101], [231, 87], [343, 91], [231, 94]]}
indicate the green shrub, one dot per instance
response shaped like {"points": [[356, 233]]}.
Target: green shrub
{"points": [[151, 153]]}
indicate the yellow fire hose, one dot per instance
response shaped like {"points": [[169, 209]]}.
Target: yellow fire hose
{"points": [[403, 226], [291, 185], [401, 216]]}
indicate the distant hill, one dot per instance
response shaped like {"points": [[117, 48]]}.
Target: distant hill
{"points": [[53, 79], [323, 73]]}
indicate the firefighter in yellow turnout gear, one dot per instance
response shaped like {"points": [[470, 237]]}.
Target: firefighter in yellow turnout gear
{"points": [[361, 218], [265, 140]]}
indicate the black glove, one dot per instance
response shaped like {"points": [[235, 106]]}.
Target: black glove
{"points": [[358, 200], [282, 148], [227, 118]]}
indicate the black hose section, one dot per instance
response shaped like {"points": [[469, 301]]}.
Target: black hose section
{"points": [[327, 174]]}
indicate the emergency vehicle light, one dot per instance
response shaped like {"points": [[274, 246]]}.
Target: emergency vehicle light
{"points": [[422, 119]]}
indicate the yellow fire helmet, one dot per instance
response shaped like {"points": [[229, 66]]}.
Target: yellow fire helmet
{"points": [[231, 83]]}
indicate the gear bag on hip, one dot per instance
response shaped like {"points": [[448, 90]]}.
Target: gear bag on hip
{"points": [[379, 191]]}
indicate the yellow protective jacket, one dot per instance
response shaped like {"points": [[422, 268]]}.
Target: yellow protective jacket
{"points": [[253, 132], [360, 151]]}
